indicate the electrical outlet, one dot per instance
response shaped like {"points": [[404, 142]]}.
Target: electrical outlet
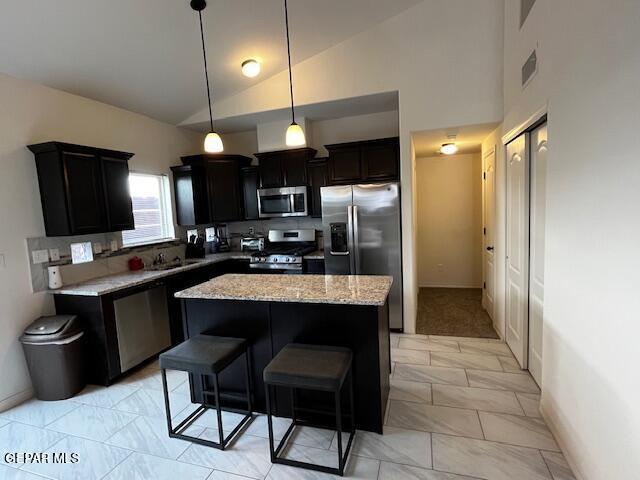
{"points": [[40, 256], [97, 248], [54, 254]]}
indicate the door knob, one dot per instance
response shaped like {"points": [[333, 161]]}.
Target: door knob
{"points": [[489, 249]]}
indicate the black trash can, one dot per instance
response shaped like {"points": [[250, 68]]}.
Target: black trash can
{"points": [[53, 347]]}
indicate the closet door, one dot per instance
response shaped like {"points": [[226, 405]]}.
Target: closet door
{"points": [[517, 259], [537, 248]]}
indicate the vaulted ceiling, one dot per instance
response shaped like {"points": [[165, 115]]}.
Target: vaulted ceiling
{"points": [[145, 56]]}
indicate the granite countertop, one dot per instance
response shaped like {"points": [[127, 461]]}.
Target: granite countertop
{"points": [[120, 281], [331, 289]]}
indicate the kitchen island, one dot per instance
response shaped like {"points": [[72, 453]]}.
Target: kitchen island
{"points": [[271, 311]]}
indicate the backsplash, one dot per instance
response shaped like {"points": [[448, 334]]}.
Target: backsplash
{"points": [[110, 262], [237, 230], [107, 262]]}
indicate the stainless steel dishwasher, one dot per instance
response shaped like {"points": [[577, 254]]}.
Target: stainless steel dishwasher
{"points": [[142, 325]]}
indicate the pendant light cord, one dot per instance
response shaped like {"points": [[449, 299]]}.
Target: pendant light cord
{"points": [[286, 22], [206, 72]]}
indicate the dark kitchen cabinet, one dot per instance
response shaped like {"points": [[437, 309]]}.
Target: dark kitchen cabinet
{"points": [[250, 185], [208, 189], [366, 161], [318, 174], [285, 168], [116, 185], [83, 190]]}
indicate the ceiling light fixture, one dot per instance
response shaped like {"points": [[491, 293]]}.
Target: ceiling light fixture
{"points": [[295, 134], [212, 142], [449, 148], [251, 68]]}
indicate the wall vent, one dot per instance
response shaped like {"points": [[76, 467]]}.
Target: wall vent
{"points": [[529, 68], [525, 8]]}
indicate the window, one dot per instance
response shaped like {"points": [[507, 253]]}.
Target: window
{"points": [[151, 200]]}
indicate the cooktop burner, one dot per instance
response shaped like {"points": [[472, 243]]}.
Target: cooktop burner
{"points": [[285, 250]]}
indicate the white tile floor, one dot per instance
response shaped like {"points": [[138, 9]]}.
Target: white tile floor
{"points": [[459, 409]]}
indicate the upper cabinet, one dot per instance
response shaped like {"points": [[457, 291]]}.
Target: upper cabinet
{"points": [[318, 178], [285, 168], [366, 161], [208, 188], [83, 190]]}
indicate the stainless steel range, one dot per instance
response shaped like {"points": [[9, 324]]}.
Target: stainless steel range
{"points": [[285, 251]]}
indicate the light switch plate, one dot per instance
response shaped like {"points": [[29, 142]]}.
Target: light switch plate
{"points": [[81, 253], [40, 256], [54, 254]]}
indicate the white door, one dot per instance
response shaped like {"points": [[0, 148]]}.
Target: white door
{"points": [[536, 255], [489, 169], [517, 256]]}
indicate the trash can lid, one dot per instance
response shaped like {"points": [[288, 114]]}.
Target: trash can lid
{"points": [[53, 327]]}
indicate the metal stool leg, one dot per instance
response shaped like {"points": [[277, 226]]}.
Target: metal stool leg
{"points": [[339, 430], [270, 424], [216, 393], [167, 407]]}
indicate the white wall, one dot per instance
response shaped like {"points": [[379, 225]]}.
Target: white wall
{"points": [[32, 113], [241, 143], [449, 213], [444, 57], [589, 69], [351, 129], [272, 135]]}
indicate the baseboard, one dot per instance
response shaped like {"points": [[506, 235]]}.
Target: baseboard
{"points": [[560, 440], [450, 286], [16, 399]]}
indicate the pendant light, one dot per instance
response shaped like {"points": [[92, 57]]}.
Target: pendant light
{"points": [[295, 134], [212, 142]]}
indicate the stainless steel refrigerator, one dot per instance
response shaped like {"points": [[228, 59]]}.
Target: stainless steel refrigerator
{"points": [[362, 235]]}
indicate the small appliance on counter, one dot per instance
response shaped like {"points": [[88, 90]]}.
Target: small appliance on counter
{"points": [[252, 244], [217, 238], [135, 264], [195, 247], [55, 277]]}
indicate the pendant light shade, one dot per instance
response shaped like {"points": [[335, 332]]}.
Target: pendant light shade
{"points": [[212, 142], [295, 135]]}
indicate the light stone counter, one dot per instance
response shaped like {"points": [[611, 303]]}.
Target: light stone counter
{"points": [[327, 289], [120, 281]]}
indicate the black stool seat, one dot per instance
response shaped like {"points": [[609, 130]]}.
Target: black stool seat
{"points": [[203, 354], [204, 357], [315, 367]]}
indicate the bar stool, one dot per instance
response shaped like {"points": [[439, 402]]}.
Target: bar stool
{"points": [[204, 355], [310, 367]]}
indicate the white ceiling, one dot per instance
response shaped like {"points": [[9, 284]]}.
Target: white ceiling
{"points": [[145, 55], [468, 139]]}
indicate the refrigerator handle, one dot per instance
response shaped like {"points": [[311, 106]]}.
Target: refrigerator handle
{"points": [[351, 245], [356, 240]]}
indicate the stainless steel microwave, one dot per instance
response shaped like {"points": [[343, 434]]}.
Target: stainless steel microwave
{"points": [[283, 202]]}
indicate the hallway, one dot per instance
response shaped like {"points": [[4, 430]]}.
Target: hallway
{"points": [[456, 312]]}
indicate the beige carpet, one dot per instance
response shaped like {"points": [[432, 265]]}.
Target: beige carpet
{"points": [[453, 311]]}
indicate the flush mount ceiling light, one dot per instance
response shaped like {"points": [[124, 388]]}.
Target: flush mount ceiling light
{"points": [[251, 68], [295, 134], [212, 142], [448, 148]]}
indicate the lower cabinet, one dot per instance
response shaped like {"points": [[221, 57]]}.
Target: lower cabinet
{"points": [[126, 328]]}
